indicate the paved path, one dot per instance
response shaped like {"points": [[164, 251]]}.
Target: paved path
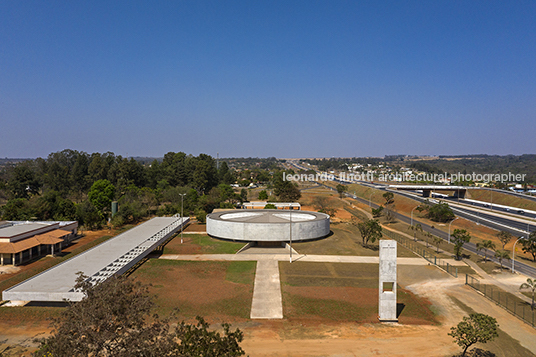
{"points": [[295, 258], [267, 302], [492, 280]]}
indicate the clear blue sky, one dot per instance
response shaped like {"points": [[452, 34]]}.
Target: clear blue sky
{"points": [[268, 78]]}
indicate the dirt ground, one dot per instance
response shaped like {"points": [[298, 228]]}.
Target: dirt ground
{"points": [[195, 227], [351, 339]]}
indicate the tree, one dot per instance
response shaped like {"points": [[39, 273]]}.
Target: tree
{"points": [[531, 285], [475, 328], [112, 320], [502, 255], [440, 212], [243, 195], [485, 245], [23, 182], [437, 242], [341, 189], [285, 190], [88, 216], [529, 245], [17, 209], [389, 197], [270, 206], [263, 195], [389, 206], [377, 212], [417, 228], [460, 236], [101, 194], [504, 237], [390, 211], [370, 230]]}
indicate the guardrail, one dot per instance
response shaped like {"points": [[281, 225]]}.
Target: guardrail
{"points": [[504, 299], [131, 257]]}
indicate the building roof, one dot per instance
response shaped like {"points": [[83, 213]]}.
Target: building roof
{"points": [[51, 237], [19, 246], [19, 229]]}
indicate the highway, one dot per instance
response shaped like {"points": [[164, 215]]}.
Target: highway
{"points": [[495, 221], [507, 223], [520, 267], [496, 207]]}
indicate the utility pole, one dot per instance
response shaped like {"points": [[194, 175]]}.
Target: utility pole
{"points": [[290, 220], [182, 213]]}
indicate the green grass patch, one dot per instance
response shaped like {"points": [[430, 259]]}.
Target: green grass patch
{"points": [[26, 315], [334, 310], [215, 246], [415, 308], [241, 272], [204, 245]]}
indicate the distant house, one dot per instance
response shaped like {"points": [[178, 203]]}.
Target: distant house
{"points": [[278, 205], [23, 241]]}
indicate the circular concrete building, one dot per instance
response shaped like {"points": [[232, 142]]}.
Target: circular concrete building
{"points": [[267, 225]]}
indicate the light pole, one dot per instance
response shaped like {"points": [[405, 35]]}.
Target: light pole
{"points": [[370, 198], [182, 213], [514, 253], [449, 227], [412, 215], [290, 220]]}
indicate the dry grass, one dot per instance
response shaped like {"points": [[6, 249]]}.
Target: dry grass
{"points": [[502, 199]]}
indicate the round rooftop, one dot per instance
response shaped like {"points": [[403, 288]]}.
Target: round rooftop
{"points": [[267, 225]]}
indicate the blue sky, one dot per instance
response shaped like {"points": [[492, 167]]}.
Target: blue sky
{"points": [[268, 78]]}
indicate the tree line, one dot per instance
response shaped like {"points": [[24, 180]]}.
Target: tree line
{"points": [[74, 185]]}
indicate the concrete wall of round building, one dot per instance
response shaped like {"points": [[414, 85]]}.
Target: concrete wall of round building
{"points": [[269, 231]]}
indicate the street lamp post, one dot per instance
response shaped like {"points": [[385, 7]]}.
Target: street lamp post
{"points": [[449, 227], [182, 213], [412, 214], [514, 253], [290, 220]]}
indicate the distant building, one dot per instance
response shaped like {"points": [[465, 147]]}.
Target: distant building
{"points": [[23, 241], [278, 205]]}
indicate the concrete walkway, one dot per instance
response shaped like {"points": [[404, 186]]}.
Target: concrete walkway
{"points": [[295, 258], [490, 279], [267, 302]]}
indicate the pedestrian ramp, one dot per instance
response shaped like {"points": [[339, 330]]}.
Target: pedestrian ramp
{"points": [[113, 257]]}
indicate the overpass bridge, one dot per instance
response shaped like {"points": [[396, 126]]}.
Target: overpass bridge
{"points": [[459, 191]]}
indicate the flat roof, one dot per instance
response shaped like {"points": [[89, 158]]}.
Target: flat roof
{"points": [[20, 228], [56, 283], [267, 216]]}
